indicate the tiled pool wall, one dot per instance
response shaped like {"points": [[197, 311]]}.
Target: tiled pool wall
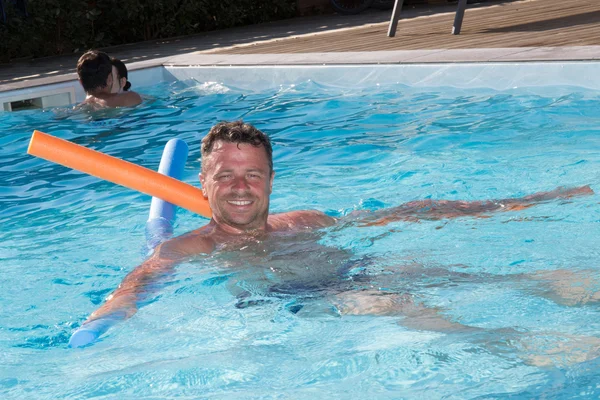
{"points": [[496, 76]]}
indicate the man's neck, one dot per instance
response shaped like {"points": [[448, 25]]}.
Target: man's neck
{"points": [[226, 230], [101, 93]]}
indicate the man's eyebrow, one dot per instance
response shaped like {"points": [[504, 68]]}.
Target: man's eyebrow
{"points": [[251, 169]]}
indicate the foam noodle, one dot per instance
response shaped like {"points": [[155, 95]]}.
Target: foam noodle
{"points": [[118, 171]]}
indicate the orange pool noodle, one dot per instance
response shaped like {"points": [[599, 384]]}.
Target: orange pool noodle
{"points": [[118, 171]]}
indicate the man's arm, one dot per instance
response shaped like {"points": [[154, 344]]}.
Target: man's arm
{"points": [[123, 302], [444, 209], [300, 220]]}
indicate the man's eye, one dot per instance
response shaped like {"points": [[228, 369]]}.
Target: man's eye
{"points": [[223, 177]]}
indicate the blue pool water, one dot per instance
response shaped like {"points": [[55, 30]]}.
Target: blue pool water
{"points": [[68, 239]]}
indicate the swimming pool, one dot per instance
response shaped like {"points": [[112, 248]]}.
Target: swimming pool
{"points": [[69, 239]]}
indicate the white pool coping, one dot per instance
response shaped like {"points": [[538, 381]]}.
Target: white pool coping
{"points": [[489, 75], [497, 68]]}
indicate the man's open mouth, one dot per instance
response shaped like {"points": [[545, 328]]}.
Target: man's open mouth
{"points": [[240, 202]]}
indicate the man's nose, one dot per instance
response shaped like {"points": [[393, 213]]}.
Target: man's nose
{"points": [[240, 183]]}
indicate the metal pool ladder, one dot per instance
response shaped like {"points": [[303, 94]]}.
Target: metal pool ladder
{"points": [[458, 18]]}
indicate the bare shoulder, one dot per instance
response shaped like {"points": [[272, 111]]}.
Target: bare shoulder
{"points": [[91, 103], [188, 245], [133, 98], [301, 219], [124, 99]]}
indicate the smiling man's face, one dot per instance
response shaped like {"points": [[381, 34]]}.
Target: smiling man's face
{"points": [[237, 181]]}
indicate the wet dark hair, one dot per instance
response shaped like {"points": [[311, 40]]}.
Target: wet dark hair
{"points": [[237, 132], [93, 69], [121, 71]]}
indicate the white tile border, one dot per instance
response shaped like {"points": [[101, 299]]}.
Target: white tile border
{"points": [[497, 76]]}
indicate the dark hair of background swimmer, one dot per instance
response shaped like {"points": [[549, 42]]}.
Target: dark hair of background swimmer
{"points": [[121, 72], [93, 69]]}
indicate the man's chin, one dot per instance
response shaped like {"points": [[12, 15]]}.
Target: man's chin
{"points": [[245, 223]]}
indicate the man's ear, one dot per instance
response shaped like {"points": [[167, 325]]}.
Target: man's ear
{"points": [[271, 182], [202, 180]]}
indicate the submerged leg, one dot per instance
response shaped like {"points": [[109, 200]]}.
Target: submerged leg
{"points": [[565, 287], [415, 315], [552, 349], [541, 349], [568, 287]]}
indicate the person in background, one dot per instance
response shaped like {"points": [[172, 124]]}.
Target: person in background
{"points": [[100, 82], [121, 71]]}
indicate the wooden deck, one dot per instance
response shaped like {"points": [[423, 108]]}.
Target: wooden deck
{"points": [[555, 25], [524, 23]]}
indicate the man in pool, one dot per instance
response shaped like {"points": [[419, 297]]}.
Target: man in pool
{"points": [[237, 179], [99, 78]]}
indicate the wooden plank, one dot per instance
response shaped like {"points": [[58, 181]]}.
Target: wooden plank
{"points": [[527, 23]]}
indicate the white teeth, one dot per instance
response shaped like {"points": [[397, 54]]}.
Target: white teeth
{"points": [[240, 202]]}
